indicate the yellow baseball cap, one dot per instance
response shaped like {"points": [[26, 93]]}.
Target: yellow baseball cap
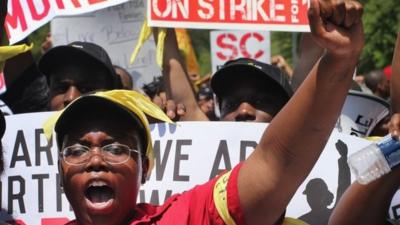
{"points": [[132, 104]]}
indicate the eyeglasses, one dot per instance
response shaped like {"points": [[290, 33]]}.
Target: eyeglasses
{"points": [[113, 153]]}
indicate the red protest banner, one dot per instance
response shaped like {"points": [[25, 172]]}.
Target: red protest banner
{"points": [[282, 15], [23, 17]]}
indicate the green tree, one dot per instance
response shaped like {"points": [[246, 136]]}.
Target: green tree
{"points": [[381, 24], [201, 45], [281, 44], [37, 39]]}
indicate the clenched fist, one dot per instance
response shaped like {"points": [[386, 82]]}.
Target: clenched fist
{"points": [[336, 26]]}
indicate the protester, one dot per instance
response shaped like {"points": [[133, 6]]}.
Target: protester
{"points": [[155, 90], [75, 69], [206, 101], [127, 82], [177, 84], [105, 143], [373, 200], [360, 79], [248, 90], [378, 83], [280, 62], [2, 131], [27, 89], [47, 44], [241, 80], [388, 72]]}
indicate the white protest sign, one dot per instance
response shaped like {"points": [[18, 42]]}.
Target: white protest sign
{"points": [[187, 154], [280, 15], [117, 30], [361, 113], [228, 45], [26, 16]]}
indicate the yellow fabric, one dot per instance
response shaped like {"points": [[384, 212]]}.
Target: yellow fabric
{"points": [[373, 138], [132, 100], [162, 33], [221, 200], [291, 221], [7, 52], [145, 34], [185, 45], [221, 203]]}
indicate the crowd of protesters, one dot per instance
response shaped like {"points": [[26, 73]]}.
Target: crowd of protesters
{"points": [[104, 153]]}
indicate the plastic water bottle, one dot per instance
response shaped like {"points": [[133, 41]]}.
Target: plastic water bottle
{"points": [[375, 160]]}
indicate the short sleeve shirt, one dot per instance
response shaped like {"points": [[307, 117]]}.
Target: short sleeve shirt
{"points": [[194, 207]]}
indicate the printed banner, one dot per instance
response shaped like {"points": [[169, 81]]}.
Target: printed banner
{"points": [[24, 17], [185, 157], [228, 45], [276, 15], [117, 30]]}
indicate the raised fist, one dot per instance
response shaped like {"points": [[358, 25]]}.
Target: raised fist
{"points": [[336, 26]]}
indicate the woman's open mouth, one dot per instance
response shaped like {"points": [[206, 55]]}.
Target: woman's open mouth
{"points": [[99, 195]]}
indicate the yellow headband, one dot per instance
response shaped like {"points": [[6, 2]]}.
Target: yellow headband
{"points": [[131, 100]]}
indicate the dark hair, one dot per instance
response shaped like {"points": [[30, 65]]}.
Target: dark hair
{"points": [[205, 92], [373, 78], [155, 87], [29, 93], [124, 71]]}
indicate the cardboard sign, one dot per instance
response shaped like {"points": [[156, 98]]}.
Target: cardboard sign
{"points": [[278, 15], [185, 157], [24, 17], [117, 30], [361, 113], [228, 45]]}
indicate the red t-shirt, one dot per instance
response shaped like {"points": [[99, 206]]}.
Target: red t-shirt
{"points": [[195, 207]]}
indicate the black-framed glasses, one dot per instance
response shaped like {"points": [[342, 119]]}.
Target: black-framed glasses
{"points": [[113, 153]]}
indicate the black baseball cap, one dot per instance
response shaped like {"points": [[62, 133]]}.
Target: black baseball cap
{"points": [[78, 51], [249, 67]]}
